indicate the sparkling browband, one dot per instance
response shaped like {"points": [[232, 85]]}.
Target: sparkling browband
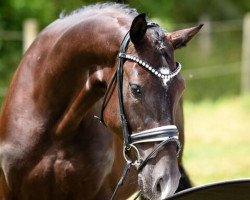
{"points": [[165, 77]]}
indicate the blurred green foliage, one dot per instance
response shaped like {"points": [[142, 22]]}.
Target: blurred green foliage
{"points": [[214, 74], [191, 10], [225, 48]]}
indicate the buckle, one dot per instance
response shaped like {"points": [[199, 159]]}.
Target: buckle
{"points": [[136, 162]]}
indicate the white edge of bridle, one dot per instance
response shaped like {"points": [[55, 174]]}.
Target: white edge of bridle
{"points": [[160, 139], [161, 128]]}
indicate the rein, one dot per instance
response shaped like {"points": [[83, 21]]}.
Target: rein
{"points": [[163, 134]]}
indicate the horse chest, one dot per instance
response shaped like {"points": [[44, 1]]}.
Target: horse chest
{"points": [[59, 174]]}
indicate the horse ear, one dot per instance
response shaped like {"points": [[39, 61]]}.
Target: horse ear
{"points": [[181, 38], [138, 28]]}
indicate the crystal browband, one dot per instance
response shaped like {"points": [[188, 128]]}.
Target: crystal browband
{"points": [[166, 77]]}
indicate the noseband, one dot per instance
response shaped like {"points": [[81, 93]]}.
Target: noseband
{"points": [[163, 134]]}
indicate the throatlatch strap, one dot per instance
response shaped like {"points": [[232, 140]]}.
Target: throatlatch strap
{"points": [[105, 99]]}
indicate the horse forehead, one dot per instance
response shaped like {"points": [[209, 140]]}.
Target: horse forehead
{"points": [[157, 36], [162, 51]]}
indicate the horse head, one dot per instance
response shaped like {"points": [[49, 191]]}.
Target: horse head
{"points": [[150, 91]]}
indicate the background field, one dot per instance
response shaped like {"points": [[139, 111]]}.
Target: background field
{"points": [[217, 140]]}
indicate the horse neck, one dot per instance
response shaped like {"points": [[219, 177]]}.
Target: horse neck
{"points": [[88, 66]]}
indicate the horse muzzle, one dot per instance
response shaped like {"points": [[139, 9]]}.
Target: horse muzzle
{"points": [[158, 184], [159, 178]]}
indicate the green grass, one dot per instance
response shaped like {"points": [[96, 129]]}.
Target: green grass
{"points": [[217, 145]]}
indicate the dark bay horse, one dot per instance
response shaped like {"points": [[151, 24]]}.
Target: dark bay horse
{"points": [[51, 145]]}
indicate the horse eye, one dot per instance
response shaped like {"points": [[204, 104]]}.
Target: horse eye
{"points": [[136, 90]]}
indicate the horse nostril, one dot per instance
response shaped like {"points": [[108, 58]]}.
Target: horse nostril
{"points": [[158, 186]]}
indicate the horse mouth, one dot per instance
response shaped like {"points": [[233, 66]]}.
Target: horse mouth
{"points": [[144, 197]]}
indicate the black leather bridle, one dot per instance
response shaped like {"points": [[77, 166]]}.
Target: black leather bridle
{"points": [[163, 134]]}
